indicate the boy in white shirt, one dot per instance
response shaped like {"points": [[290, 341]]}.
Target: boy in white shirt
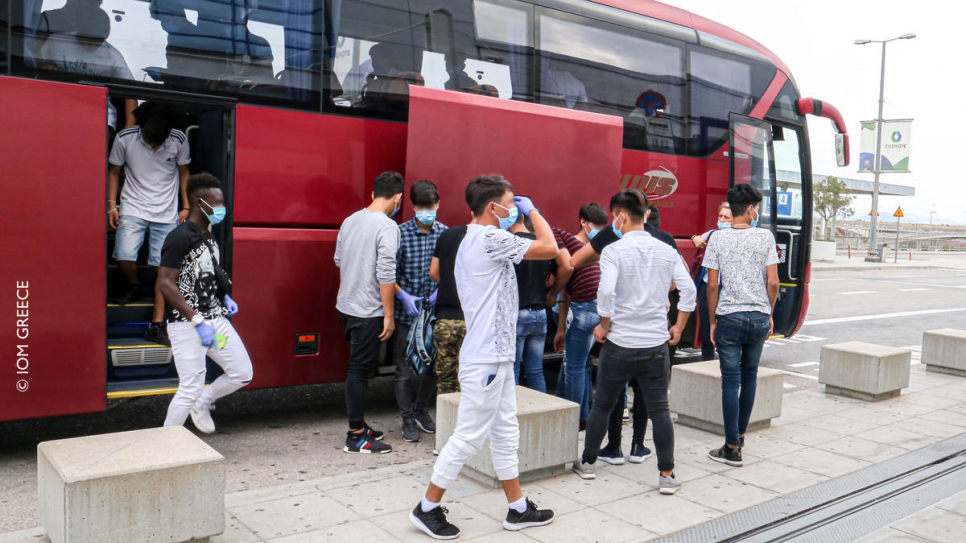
{"points": [[486, 281]]}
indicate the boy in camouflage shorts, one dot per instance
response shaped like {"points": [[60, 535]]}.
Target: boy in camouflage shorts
{"points": [[450, 326], [448, 338]]}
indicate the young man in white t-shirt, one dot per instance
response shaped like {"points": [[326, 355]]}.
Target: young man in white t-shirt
{"points": [[740, 311], [487, 287]]}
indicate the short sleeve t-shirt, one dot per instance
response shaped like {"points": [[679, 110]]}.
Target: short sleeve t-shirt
{"points": [[487, 285], [742, 256], [151, 179], [447, 299], [582, 286], [190, 251], [532, 280]]}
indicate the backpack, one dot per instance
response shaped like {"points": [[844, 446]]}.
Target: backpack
{"points": [[421, 352]]}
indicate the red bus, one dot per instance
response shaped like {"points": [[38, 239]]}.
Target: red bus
{"points": [[297, 105]]}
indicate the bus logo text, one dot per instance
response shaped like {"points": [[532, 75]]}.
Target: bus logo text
{"points": [[656, 184]]}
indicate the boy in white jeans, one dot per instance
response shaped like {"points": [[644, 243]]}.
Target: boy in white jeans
{"points": [[487, 286], [197, 310]]}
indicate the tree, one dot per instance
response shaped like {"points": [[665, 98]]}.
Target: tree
{"points": [[830, 200]]}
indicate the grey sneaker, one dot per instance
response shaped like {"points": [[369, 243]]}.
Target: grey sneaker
{"points": [[201, 417], [585, 470], [669, 485], [410, 432], [425, 422]]}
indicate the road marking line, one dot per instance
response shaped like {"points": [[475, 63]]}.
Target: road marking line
{"points": [[803, 364], [914, 289], [796, 374], [859, 292], [883, 316]]}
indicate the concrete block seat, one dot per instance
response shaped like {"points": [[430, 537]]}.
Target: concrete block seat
{"points": [[944, 351], [145, 486], [695, 395], [548, 436], [864, 371]]}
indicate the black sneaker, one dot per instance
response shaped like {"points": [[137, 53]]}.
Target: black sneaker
{"points": [[372, 434], [157, 332], [127, 296], [434, 522], [363, 444], [727, 455], [410, 432], [529, 518], [425, 422], [612, 455], [639, 453]]}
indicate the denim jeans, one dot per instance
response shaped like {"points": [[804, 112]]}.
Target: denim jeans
{"points": [[580, 340], [650, 368], [740, 338], [531, 339]]}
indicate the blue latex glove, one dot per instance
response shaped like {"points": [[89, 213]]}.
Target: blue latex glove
{"points": [[432, 297], [410, 302], [206, 333], [231, 306], [524, 205]]}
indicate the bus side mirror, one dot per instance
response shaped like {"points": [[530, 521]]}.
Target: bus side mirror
{"points": [[842, 149]]}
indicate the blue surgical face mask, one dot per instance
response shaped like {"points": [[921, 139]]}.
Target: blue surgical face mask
{"points": [[754, 222], [394, 211], [507, 222], [723, 225], [592, 232], [427, 217], [217, 213], [617, 231]]}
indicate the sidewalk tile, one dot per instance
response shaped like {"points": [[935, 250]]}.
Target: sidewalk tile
{"points": [[767, 447], [840, 425], [698, 458], [956, 504], [493, 504], [686, 437], [947, 417], [34, 535], [822, 462], [801, 434], [607, 487], [506, 536], [660, 514], [724, 493], [647, 473], [898, 437], [258, 495], [236, 532], [886, 411], [462, 487], [377, 474], [471, 523], [947, 392], [958, 408], [934, 524], [888, 535], [862, 449], [777, 477], [289, 516], [589, 526], [958, 383], [379, 497], [351, 532], [929, 398], [928, 427]]}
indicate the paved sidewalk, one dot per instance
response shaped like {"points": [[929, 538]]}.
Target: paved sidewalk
{"points": [[954, 261], [817, 438]]}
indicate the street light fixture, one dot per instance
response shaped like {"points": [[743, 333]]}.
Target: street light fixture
{"points": [[873, 255]]}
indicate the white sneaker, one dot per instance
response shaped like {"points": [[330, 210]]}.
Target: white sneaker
{"points": [[201, 417]]}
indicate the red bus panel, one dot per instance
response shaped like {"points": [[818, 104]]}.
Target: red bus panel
{"points": [[285, 283], [562, 158], [298, 169], [52, 283]]}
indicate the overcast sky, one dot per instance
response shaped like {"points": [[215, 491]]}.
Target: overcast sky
{"points": [[923, 81]]}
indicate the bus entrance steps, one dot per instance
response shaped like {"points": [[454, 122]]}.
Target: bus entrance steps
{"points": [[846, 508]]}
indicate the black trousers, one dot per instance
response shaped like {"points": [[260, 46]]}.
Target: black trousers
{"points": [[363, 337]]}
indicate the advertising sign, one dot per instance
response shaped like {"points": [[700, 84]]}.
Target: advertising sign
{"points": [[896, 137]]}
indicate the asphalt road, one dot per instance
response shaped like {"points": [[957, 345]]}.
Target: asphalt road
{"points": [[275, 437]]}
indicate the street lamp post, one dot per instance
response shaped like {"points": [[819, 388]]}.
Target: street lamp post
{"points": [[873, 255]]}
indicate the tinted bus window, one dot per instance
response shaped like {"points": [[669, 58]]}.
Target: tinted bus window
{"points": [[610, 69], [265, 51], [785, 105], [788, 166], [720, 86], [386, 47]]}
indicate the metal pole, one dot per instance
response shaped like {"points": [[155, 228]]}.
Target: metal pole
{"points": [[898, 220], [872, 257]]}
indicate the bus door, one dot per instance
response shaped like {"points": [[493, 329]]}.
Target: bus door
{"points": [[755, 145], [52, 242], [136, 366]]}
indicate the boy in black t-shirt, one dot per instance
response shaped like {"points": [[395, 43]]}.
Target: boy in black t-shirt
{"points": [[197, 307], [450, 326]]}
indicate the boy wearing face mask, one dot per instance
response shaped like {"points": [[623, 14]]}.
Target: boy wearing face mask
{"points": [[740, 314], [197, 305], [365, 253], [413, 284]]}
